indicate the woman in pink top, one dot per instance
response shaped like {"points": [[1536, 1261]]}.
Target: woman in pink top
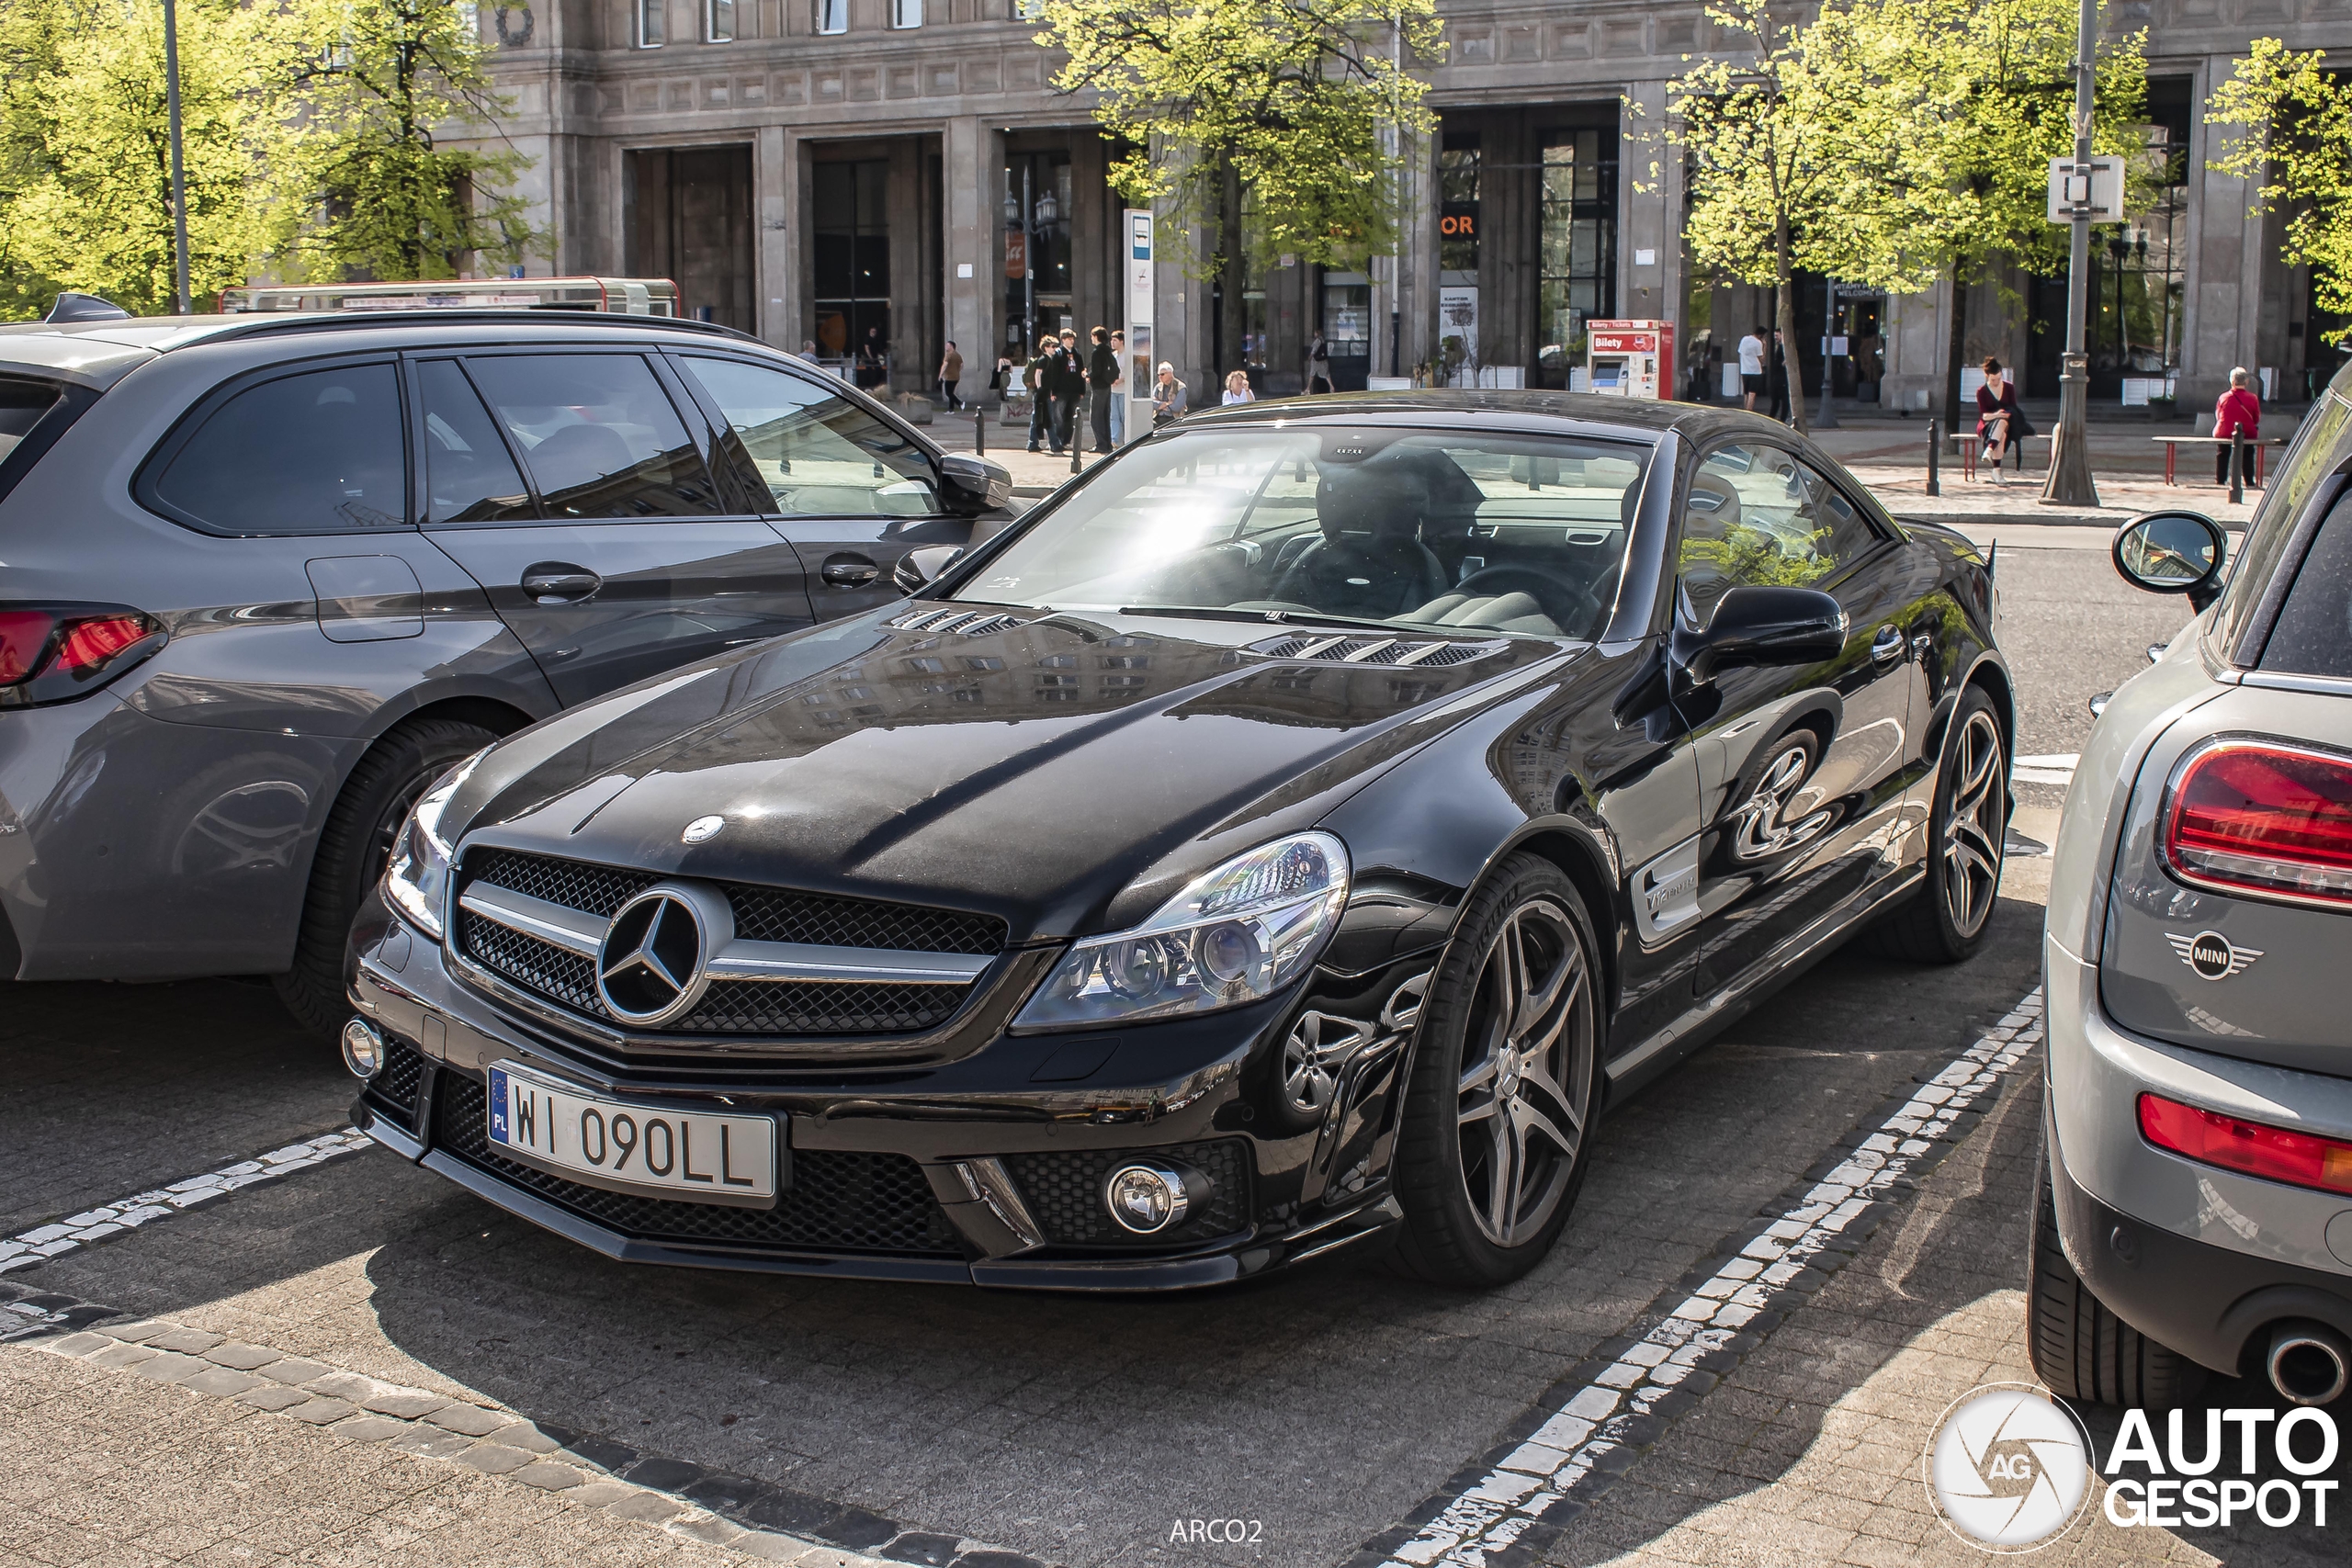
{"points": [[2238, 410]]}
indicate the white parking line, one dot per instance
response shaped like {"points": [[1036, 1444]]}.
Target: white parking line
{"points": [[44, 1242], [2055, 769], [1490, 1516]]}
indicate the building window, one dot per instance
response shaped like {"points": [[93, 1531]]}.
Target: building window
{"points": [[832, 15], [906, 13], [649, 23], [1457, 222], [1576, 265], [1028, 10], [718, 21], [853, 261]]}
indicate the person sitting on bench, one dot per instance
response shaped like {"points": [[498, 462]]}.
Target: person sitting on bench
{"points": [[1999, 422]]}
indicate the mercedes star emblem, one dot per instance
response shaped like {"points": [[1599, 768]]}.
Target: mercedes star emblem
{"points": [[649, 968], [2211, 955], [702, 828]]}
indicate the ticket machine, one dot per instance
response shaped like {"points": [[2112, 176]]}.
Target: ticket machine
{"points": [[1629, 359]]}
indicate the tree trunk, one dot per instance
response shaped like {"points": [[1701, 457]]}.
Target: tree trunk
{"points": [[1958, 355], [1786, 315], [1230, 274]]}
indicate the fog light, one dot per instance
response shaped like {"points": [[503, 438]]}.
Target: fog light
{"points": [[1148, 1198], [363, 1049]]}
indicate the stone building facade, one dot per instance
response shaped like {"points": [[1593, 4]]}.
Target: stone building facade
{"points": [[902, 173]]}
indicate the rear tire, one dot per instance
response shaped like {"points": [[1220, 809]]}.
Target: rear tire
{"points": [[1498, 1113], [1946, 922], [353, 848], [2080, 1350]]}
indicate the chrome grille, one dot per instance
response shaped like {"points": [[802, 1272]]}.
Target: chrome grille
{"points": [[534, 964], [574, 884]]}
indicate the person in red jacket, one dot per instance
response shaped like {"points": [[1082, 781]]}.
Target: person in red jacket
{"points": [[2238, 410]]}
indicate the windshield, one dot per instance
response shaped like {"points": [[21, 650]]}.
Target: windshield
{"points": [[1438, 529]]}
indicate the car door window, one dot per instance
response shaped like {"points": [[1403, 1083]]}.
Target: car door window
{"points": [[317, 453], [600, 436], [815, 453], [1758, 515], [469, 477]]}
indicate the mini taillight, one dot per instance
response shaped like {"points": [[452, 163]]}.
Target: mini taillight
{"points": [[51, 654], [2264, 818], [2275, 1154]]}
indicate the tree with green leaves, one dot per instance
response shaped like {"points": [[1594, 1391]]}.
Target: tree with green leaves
{"points": [[2286, 124], [367, 85], [1289, 100], [86, 151], [1827, 145]]}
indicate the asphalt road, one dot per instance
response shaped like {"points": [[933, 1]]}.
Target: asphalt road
{"points": [[1327, 1406]]}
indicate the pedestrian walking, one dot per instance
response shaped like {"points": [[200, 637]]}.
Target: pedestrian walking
{"points": [[1780, 379], [1069, 388], [1751, 368], [1038, 377], [1102, 371], [1168, 400], [2000, 424], [1119, 389], [1318, 365], [2239, 409], [1236, 389], [951, 372]]}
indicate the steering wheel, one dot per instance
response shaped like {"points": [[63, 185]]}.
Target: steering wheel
{"points": [[1548, 588]]}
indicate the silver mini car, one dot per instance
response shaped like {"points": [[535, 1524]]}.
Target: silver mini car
{"points": [[2196, 1210]]}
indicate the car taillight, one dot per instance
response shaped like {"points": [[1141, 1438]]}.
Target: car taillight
{"points": [[2258, 818], [2275, 1154], [51, 653]]}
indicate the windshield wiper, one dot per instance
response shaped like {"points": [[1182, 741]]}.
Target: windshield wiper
{"points": [[1269, 617]]}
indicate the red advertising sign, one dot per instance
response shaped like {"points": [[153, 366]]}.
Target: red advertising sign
{"points": [[1017, 254]]}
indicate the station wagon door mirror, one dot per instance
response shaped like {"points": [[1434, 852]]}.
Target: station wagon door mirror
{"points": [[1756, 625], [917, 568], [2173, 552], [969, 484]]}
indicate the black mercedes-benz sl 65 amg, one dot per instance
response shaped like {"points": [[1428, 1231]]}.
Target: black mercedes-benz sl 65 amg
{"points": [[1288, 838]]}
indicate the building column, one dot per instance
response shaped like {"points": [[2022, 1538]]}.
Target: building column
{"points": [[1416, 288], [778, 239], [973, 256], [1651, 289]]}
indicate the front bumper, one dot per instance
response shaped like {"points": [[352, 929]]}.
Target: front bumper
{"points": [[985, 1170], [2196, 1256]]}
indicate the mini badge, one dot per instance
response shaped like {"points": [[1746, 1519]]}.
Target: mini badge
{"points": [[2211, 955], [702, 828]]}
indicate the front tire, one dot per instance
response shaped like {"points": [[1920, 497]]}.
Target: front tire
{"points": [[2080, 1350], [1948, 920], [353, 846], [1498, 1114]]}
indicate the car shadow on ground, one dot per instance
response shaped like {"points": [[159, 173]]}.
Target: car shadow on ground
{"points": [[1326, 1403]]}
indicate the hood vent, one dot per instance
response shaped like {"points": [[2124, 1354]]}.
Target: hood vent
{"points": [[958, 622], [1418, 653]]}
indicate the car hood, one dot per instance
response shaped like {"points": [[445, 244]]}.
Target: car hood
{"points": [[1064, 773]]}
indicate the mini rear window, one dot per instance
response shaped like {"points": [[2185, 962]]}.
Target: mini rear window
{"points": [[316, 453], [2313, 636]]}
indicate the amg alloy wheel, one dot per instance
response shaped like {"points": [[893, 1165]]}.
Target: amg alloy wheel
{"points": [[1947, 920], [1500, 1112]]}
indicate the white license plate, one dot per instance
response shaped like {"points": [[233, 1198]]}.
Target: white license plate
{"points": [[630, 1145]]}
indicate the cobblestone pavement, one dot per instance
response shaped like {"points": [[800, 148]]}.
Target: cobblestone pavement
{"points": [[937, 1425]]}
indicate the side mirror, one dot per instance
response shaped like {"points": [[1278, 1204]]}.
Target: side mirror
{"points": [[1755, 626], [917, 568], [2173, 552], [973, 484]]}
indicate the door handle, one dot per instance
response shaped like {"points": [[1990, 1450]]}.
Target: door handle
{"points": [[560, 583], [848, 570], [1888, 644]]}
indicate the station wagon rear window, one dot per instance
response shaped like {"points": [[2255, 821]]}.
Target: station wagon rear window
{"points": [[22, 403]]}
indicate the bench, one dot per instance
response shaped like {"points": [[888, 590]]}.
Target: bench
{"points": [[1970, 445], [2173, 443]]}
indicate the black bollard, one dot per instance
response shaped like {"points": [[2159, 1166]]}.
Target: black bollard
{"points": [[1935, 452], [1075, 448], [2237, 465], [979, 431]]}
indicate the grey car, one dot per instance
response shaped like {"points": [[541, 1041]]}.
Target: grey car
{"points": [[2197, 1205], [263, 578]]}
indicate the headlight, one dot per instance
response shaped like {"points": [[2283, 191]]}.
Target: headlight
{"points": [[1238, 934], [416, 879]]}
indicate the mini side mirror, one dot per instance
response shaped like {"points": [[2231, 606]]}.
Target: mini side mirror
{"points": [[971, 484], [2173, 552], [1755, 626]]}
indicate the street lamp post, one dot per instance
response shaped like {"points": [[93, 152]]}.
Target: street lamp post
{"points": [[179, 176], [2070, 482], [1826, 417]]}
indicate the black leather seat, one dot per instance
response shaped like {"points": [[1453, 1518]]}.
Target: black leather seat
{"points": [[1370, 560]]}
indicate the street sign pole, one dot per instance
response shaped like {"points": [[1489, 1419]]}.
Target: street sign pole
{"points": [[179, 177], [1138, 255], [2069, 482], [1825, 417]]}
